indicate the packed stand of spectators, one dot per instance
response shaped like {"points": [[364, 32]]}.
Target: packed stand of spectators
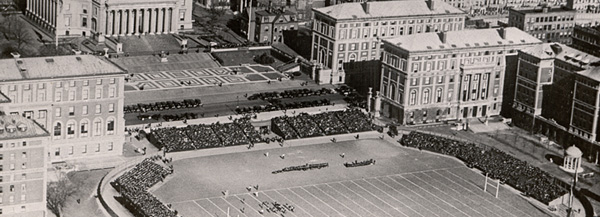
{"points": [[281, 127], [351, 97], [229, 134], [289, 94], [160, 106], [328, 123], [275, 105], [134, 185], [528, 179], [204, 136], [235, 45], [355, 120], [305, 126]]}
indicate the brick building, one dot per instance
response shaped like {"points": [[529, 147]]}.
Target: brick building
{"points": [[352, 32], [587, 39], [78, 99], [267, 26], [453, 75], [549, 24], [23, 167]]}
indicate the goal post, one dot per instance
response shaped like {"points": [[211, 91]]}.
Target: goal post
{"points": [[491, 182]]}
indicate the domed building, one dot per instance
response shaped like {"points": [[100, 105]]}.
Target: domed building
{"points": [[572, 160]]}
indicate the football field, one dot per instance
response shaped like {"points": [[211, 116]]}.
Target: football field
{"points": [[403, 182]]}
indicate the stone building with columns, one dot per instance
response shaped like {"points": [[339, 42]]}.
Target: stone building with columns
{"points": [[106, 18]]}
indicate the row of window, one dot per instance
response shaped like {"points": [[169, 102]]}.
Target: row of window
{"points": [[397, 30], [396, 22], [13, 144], [84, 128], [84, 150], [59, 84], [12, 156], [84, 110], [85, 94]]}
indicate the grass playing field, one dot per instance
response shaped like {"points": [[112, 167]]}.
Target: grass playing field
{"points": [[403, 182]]}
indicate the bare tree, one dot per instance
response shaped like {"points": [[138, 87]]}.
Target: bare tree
{"points": [[58, 192], [218, 7], [15, 29]]}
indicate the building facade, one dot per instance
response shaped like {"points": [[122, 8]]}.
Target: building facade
{"points": [[103, 18], [78, 99], [587, 39], [454, 75], [549, 24], [267, 26], [23, 167], [352, 32]]}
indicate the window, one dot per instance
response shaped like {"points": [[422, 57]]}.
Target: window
{"points": [[426, 96], [67, 20], [70, 130], [110, 127], [58, 96], [12, 156], [57, 129], [99, 82], [85, 10], [1, 156], [84, 110], [71, 95], [12, 167], [111, 92], [112, 80], [71, 150], [98, 147], [342, 47], [86, 83], [98, 92], [181, 15], [23, 199], [84, 22], [57, 112], [57, 152], [111, 108], [98, 109], [11, 198], [110, 146], [24, 154], [24, 166], [84, 149], [97, 127], [438, 95], [84, 127], [71, 111], [413, 97], [24, 143]]}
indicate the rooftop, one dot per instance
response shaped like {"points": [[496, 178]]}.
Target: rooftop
{"points": [[539, 10], [562, 52], [357, 10], [471, 38], [57, 66], [16, 126], [593, 73], [274, 12]]}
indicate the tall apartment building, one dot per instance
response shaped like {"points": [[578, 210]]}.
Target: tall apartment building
{"points": [[78, 99], [587, 39], [104, 18], [353, 31], [454, 75], [549, 24], [23, 167]]}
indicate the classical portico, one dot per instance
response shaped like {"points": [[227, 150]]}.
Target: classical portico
{"points": [[572, 160], [123, 19]]}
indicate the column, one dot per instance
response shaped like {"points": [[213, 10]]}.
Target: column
{"points": [[131, 19], [174, 23], [136, 17], [160, 23], [106, 22], [152, 20], [122, 23], [117, 23], [168, 20], [146, 21]]}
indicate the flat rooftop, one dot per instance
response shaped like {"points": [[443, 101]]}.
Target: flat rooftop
{"points": [[381, 9], [539, 10], [56, 67], [16, 126], [562, 52], [471, 38]]}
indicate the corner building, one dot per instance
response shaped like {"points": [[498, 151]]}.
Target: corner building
{"points": [[23, 167], [352, 32], [455, 75], [78, 99], [106, 18], [549, 24]]}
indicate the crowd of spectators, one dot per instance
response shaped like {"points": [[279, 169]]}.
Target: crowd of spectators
{"points": [[351, 96], [290, 94], [203, 136], [169, 117], [528, 179], [276, 105], [328, 123], [160, 106], [302, 167], [134, 185]]}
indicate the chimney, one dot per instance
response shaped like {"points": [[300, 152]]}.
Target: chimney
{"points": [[443, 37], [15, 55], [431, 5], [270, 6], [503, 33], [366, 6]]}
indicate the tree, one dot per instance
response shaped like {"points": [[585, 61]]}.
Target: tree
{"points": [[58, 192], [15, 29], [218, 7], [264, 59]]}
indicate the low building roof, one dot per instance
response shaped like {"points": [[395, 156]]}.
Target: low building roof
{"points": [[55, 67], [562, 52], [592, 73], [16, 126], [540, 10], [471, 38], [356, 10]]}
